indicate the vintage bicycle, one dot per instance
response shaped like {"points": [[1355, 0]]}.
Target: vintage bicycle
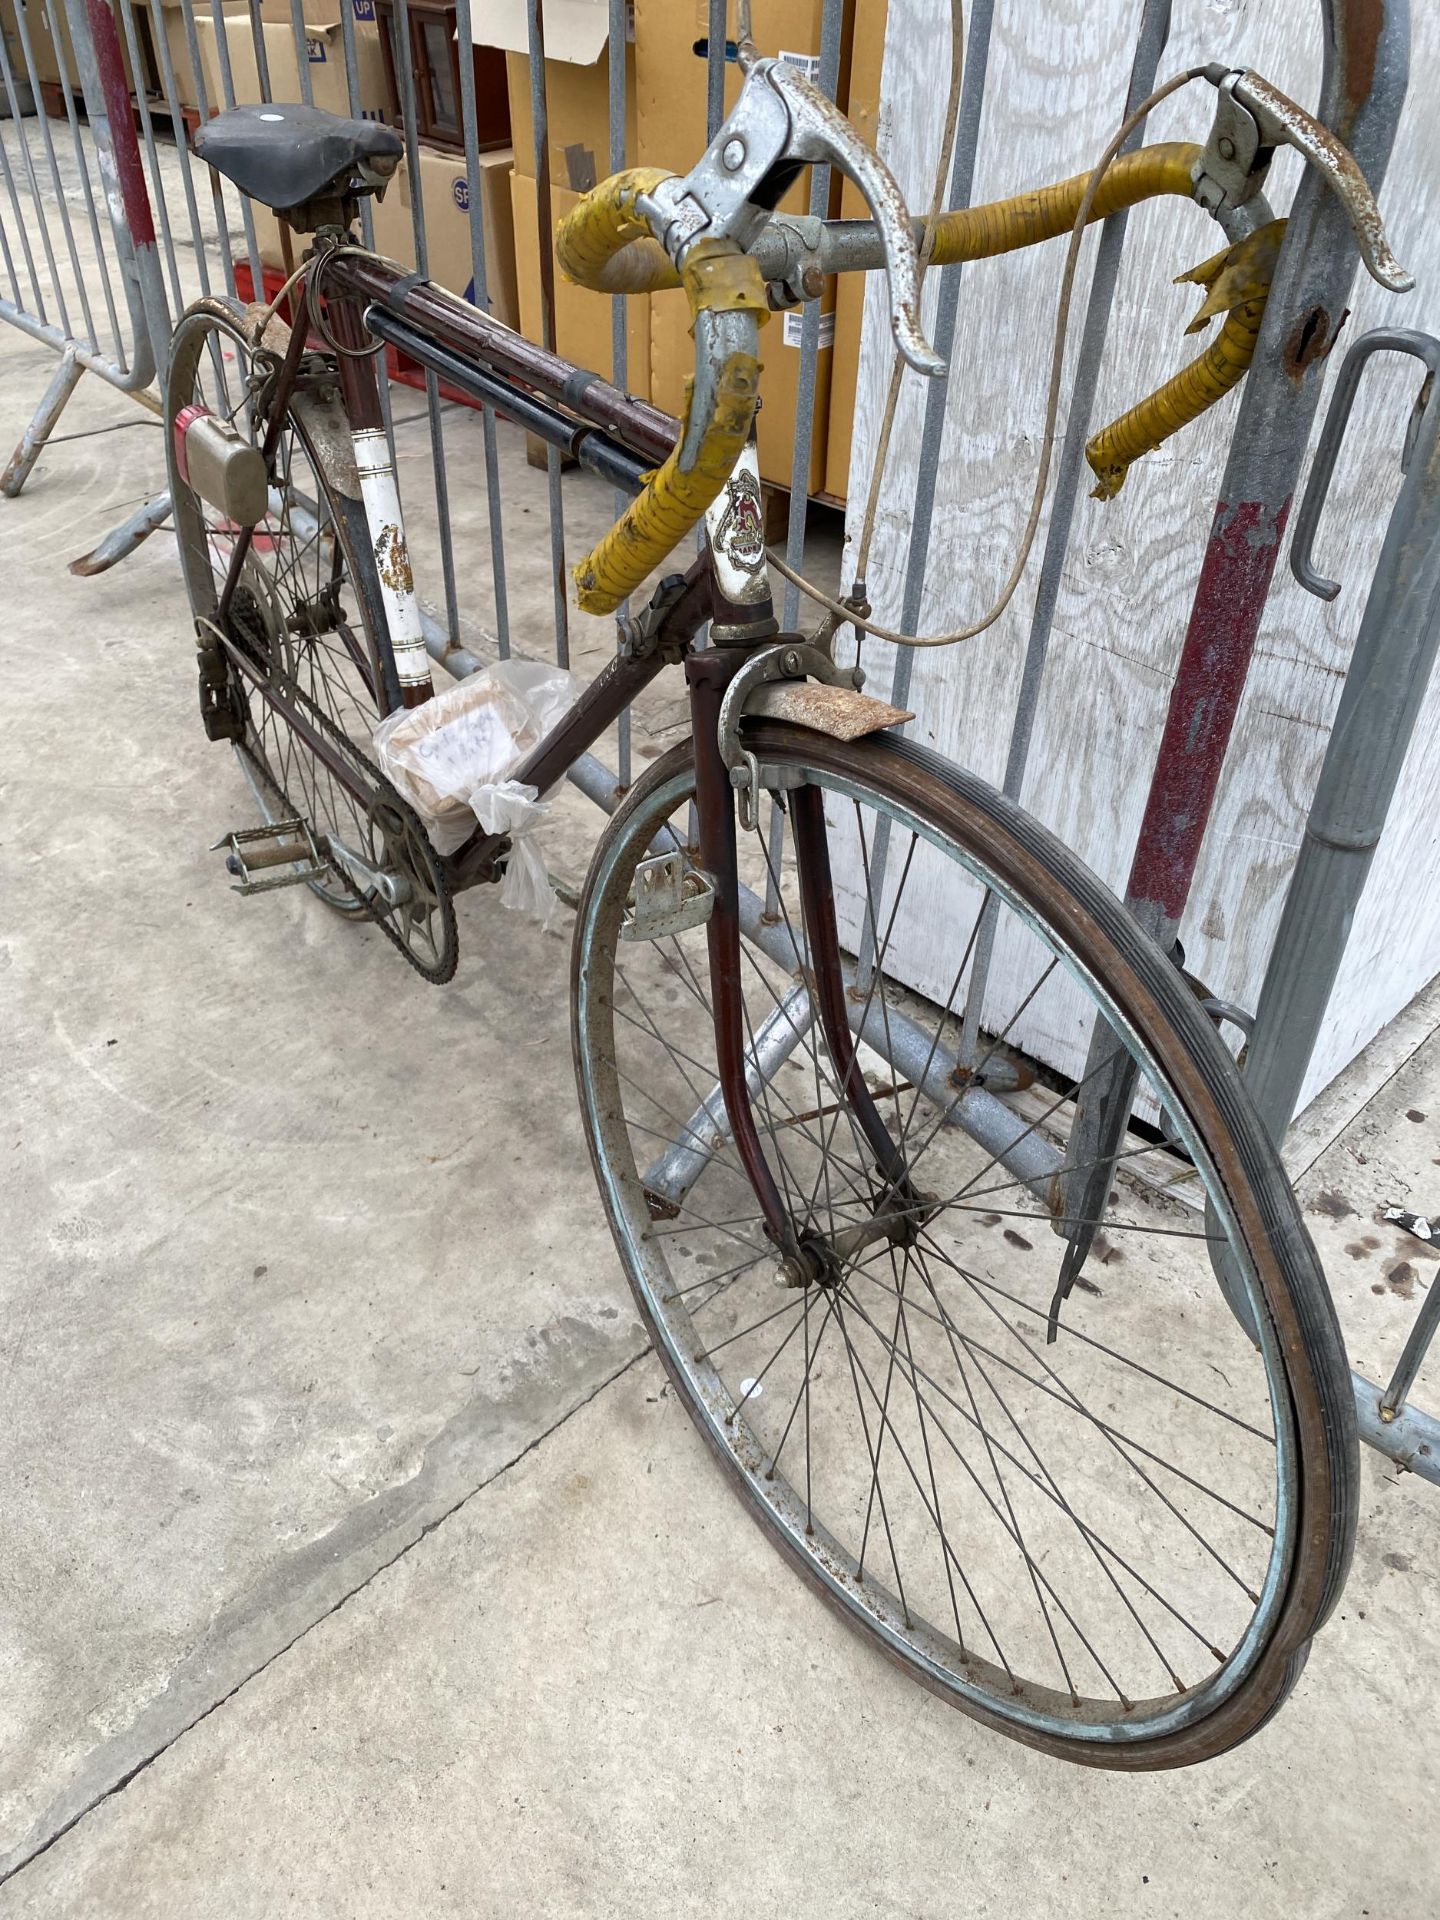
{"points": [[1105, 1516]]}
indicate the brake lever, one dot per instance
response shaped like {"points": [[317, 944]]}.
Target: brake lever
{"points": [[1252, 118], [780, 123]]}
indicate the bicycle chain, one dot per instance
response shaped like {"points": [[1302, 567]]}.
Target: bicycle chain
{"points": [[444, 967]]}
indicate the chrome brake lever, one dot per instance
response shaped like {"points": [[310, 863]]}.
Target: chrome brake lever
{"points": [[780, 123], [1252, 118]]}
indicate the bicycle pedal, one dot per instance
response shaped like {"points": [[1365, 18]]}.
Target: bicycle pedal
{"points": [[284, 843], [669, 897]]}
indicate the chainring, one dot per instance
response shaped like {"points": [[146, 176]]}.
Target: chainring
{"points": [[398, 839]]}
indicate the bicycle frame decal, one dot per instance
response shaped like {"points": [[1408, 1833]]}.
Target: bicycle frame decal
{"points": [[381, 498], [735, 522]]}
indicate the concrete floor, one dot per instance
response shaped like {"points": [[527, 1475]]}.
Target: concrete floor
{"points": [[357, 1561]]}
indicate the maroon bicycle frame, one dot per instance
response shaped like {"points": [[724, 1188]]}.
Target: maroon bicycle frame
{"points": [[621, 437]]}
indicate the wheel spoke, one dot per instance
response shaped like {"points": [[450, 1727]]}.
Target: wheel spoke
{"points": [[298, 616], [1078, 1538]]}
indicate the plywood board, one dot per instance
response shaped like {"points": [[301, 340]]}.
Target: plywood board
{"points": [[1058, 71]]}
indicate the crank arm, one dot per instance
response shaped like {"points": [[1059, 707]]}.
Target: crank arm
{"points": [[393, 888]]}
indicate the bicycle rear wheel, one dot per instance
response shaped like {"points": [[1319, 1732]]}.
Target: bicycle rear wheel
{"points": [[308, 624], [1116, 1547]]}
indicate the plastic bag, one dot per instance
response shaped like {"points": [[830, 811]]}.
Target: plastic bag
{"points": [[452, 759], [507, 806]]}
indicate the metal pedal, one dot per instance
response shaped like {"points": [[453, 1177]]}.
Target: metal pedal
{"points": [[252, 849], [669, 897]]}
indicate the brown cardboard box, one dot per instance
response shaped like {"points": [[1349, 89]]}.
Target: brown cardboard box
{"points": [[582, 318], [670, 46], [445, 195], [326, 51], [577, 85], [187, 93], [151, 80], [45, 21], [862, 109], [240, 46], [15, 55], [325, 58], [315, 13], [577, 103], [41, 29]]}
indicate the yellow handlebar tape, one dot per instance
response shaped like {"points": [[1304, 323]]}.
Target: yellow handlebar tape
{"points": [[1237, 279], [718, 278], [604, 222], [641, 265], [606, 244], [978, 233]]}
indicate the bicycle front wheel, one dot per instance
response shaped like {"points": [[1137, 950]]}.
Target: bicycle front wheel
{"points": [[1115, 1547]]}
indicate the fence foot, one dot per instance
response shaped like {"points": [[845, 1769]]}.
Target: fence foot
{"points": [[32, 441], [1406, 1435], [123, 540], [668, 1180]]}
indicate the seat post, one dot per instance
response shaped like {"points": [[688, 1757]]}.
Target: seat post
{"points": [[379, 492]]}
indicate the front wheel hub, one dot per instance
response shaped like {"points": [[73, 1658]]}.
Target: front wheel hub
{"points": [[813, 1264]]}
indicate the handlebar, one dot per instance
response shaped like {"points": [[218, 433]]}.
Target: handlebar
{"points": [[789, 246], [715, 232], [728, 306]]}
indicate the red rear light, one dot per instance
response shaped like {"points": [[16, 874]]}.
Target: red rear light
{"points": [[184, 420]]}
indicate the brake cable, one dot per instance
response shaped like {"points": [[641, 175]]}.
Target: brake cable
{"points": [[849, 613], [897, 366]]}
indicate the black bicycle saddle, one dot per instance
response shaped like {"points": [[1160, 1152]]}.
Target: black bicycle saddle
{"points": [[283, 155]]}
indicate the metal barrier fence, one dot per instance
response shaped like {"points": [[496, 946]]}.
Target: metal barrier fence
{"points": [[125, 354], [124, 161]]}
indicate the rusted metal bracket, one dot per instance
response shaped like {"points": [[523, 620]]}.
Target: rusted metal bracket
{"points": [[788, 661]]}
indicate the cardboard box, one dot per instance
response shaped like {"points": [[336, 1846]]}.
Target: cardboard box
{"points": [[41, 30], [46, 24], [577, 86], [325, 63], [582, 318], [671, 49], [187, 93], [862, 109], [315, 13], [445, 196], [15, 53], [577, 103], [670, 59]]}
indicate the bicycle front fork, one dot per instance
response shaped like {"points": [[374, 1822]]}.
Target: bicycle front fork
{"points": [[805, 1256]]}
